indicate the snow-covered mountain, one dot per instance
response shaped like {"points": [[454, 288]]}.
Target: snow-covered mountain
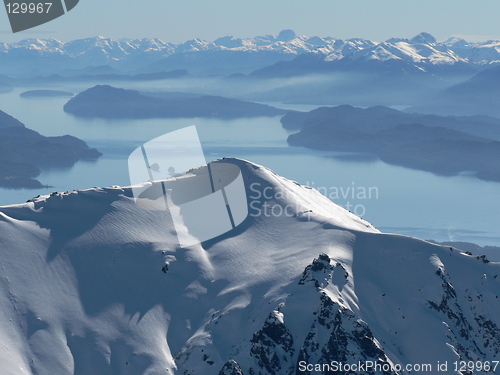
{"points": [[40, 55], [90, 283]]}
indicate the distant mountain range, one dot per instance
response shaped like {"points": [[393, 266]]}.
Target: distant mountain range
{"points": [[421, 53], [237, 55], [445, 77]]}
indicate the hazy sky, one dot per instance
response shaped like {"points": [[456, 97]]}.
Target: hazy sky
{"points": [[178, 21]]}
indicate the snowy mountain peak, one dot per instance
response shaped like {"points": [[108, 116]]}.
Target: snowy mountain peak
{"points": [[153, 55], [91, 283], [397, 40], [229, 42], [286, 35], [423, 38]]}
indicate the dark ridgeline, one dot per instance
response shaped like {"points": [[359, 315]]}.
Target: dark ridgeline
{"points": [[478, 94], [109, 102], [24, 152], [46, 94], [442, 145]]}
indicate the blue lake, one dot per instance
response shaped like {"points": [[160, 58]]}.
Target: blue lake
{"points": [[395, 199]]}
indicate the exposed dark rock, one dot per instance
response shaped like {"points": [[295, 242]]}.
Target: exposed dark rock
{"points": [[231, 368], [272, 345]]}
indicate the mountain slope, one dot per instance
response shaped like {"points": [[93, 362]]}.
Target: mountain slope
{"points": [[479, 94], [92, 284]]}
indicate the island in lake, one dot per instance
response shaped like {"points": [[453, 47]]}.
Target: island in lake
{"points": [[105, 101], [24, 153], [442, 145], [46, 94]]}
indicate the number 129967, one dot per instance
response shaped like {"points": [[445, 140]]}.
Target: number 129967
{"points": [[31, 8], [468, 366]]}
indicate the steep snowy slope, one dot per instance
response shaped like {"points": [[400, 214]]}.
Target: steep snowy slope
{"points": [[90, 283]]}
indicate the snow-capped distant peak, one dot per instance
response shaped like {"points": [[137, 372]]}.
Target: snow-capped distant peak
{"points": [[397, 40], [134, 54], [423, 38], [286, 35], [229, 42]]}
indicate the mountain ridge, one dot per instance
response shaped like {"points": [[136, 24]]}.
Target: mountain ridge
{"points": [[143, 54], [317, 285], [438, 144]]}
